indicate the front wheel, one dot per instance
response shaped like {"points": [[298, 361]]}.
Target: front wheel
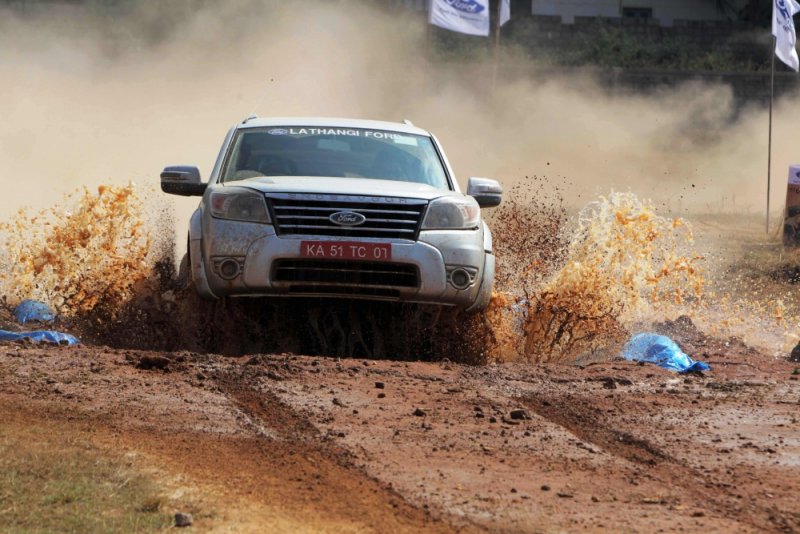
{"points": [[184, 278]]}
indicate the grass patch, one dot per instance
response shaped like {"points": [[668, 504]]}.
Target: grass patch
{"points": [[56, 480]]}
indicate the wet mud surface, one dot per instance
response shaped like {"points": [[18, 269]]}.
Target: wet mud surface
{"points": [[307, 443], [344, 416]]}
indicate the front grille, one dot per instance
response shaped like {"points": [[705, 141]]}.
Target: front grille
{"points": [[386, 217], [343, 274], [346, 291]]}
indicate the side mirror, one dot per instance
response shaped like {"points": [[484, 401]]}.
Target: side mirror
{"points": [[182, 180], [488, 193]]}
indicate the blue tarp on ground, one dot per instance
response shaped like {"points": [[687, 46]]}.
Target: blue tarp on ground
{"points": [[662, 351], [32, 310], [38, 336]]}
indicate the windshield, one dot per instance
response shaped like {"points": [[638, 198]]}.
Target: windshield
{"points": [[334, 152]]}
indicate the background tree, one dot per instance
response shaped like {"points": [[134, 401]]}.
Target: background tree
{"points": [[757, 13]]}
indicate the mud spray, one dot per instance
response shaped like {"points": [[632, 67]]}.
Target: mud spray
{"points": [[619, 267], [83, 256], [569, 288]]}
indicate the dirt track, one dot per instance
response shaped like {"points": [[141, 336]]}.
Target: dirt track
{"points": [[321, 444]]}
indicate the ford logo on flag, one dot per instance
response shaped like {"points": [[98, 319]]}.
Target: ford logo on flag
{"points": [[783, 10], [347, 218], [467, 6]]}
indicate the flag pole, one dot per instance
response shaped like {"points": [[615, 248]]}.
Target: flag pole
{"points": [[428, 30], [496, 44], [769, 149]]}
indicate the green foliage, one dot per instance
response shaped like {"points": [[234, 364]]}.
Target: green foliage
{"points": [[448, 45], [622, 47], [615, 47], [757, 13]]}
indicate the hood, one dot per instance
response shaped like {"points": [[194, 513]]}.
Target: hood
{"points": [[341, 186]]}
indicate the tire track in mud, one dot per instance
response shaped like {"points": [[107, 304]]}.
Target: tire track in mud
{"points": [[340, 485], [586, 418], [264, 409], [584, 421]]}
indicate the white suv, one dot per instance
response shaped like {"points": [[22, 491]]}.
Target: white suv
{"points": [[341, 208]]}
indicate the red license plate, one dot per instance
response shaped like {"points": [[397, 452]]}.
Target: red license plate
{"points": [[346, 250]]}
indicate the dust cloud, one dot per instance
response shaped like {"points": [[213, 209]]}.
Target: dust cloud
{"points": [[109, 95]]}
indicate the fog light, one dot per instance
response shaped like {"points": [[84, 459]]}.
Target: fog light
{"points": [[229, 269], [460, 279]]}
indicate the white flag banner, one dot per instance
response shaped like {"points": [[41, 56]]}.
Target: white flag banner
{"points": [[465, 16], [505, 11], [784, 32]]}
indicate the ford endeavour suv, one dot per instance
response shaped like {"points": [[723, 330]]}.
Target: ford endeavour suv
{"points": [[315, 207]]}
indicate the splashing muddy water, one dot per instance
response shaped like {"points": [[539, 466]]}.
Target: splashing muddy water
{"points": [[623, 269], [89, 251], [622, 261], [567, 289]]}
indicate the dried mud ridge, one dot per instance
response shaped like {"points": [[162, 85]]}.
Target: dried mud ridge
{"points": [[318, 443]]}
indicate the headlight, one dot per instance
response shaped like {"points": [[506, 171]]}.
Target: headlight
{"points": [[448, 213], [239, 204]]}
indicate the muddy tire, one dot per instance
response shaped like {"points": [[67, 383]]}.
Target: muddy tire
{"points": [[184, 279]]}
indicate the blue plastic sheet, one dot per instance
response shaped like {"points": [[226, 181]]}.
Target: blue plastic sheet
{"points": [[32, 310], [662, 351], [37, 336]]}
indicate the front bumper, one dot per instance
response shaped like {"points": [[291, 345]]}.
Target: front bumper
{"points": [[259, 251]]}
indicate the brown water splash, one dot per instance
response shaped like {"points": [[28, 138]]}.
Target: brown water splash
{"points": [[567, 288], [86, 253], [622, 262]]}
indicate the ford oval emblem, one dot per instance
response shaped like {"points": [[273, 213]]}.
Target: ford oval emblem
{"points": [[347, 218]]}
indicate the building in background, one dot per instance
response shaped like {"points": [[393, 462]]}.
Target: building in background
{"points": [[665, 12], [661, 12]]}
